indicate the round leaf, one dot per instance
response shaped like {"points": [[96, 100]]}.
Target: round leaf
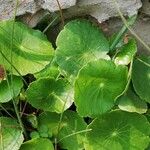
{"points": [[132, 103], [97, 86], [50, 70], [118, 130], [34, 135], [10, 89], [50, 95], [71, 123], [37, 144], [126, 53], [48, 121], [78, 43], [30, 51], [141, 77], [11, 136]]}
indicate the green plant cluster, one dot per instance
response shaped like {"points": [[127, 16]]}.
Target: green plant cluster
{"points": [[91, 93]]}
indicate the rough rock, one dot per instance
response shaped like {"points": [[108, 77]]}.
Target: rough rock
{"points": [[146, 7], [100, 9], [52, 5], [104, 9], [7, 7]]}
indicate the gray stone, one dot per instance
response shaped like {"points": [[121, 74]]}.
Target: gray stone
{"points": [[104, 9], [100, 9], [32, 19], [7, 8], [52, 5], [146, 7]]}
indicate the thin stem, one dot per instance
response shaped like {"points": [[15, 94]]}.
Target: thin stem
{"points": [[55, 143], [50, 24], [130, 29], [60, 120], [129, 77], [13, 100], [118, 37], [145, 63], [59, 124], [3, 108], [123, 30], [61, 13], [23, 110], [75, 133], [19, 118]]}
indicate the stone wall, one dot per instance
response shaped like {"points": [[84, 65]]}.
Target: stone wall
{"points": [[100, 9]]}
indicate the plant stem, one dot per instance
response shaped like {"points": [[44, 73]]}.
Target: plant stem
{"points": [[123, 30], [3, 108], [50, 24], [13, 100], [75, 133], [60, 120], [61, 13], [130, 29], [129, 76], [19, 118], [145, 63]]}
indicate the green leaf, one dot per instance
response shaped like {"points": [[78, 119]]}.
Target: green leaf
{"points": [[37, 144], [49, 121], [50, 95], [126, 54], [11, 136], [78, 43], [141, 77], [132, 103], [10, 89], [70, 124], [44, 131], [118, 130], [74, 123], [50, 70], [34, 135], [30, 51], [32, 119], [97, 86]]}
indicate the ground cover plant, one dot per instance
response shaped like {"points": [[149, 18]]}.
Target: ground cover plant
{"points": [[91, 92]]}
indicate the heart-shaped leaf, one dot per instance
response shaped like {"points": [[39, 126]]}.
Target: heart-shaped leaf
{"points": [[37, 144], [97, 86], [28, 52], [50, 95], [11, 136], [118, 130], [141, 77], [78, 43], [10, 88]]}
